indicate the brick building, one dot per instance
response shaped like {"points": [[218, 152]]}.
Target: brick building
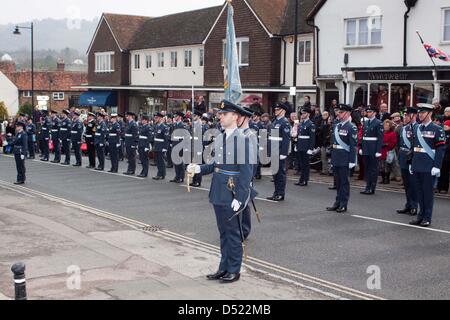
{"points": [[56, 85]]}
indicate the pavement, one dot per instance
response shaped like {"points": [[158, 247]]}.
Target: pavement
{"points": [[297, 241], [73, 254]]}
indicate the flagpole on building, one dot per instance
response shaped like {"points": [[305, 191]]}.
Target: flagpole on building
{"points": [[423, 44]]}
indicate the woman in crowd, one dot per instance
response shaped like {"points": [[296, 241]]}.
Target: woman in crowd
{"points": [[388, 151], [324, 140]]}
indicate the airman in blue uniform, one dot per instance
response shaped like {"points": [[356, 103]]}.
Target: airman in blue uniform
{"points": [[281, 126], [162, 134], [31, 134], [230, 192], [44, 136], [306, 141], [144, 145], [121, 136], [404, 158], [176, 140], [64, 136], [76, 134], [197, 125], [257, 125], [56, 125], [20, 145], [343, 157], [428, 154], [100, 140], [89, 138], [114, 143], [131, 142], [371, 145]]}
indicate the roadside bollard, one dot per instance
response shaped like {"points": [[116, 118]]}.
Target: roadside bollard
{"points": [[20, 285]]}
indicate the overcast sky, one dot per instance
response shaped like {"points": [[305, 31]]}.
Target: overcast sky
{"points": [[25, 10]]}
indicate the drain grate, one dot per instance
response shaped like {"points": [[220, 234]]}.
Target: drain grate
{"points": [[152, 228]]}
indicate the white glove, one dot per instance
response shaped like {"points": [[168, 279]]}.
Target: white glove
{"points": [[410, 169], [118, 145], [360, 152], [377, 155], [351, 165], [193, 169], [436, 172], [22, 157], [236, 205], [146, 149], [100, 145], [164, 150], [283, 157], [309, 152]]}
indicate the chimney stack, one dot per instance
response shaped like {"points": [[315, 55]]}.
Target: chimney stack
{"points": [[60, 65], [7, 66]]}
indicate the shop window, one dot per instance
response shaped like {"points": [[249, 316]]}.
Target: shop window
{"points": [[400, 97], [424, 93], [361, 96], [379, 94]]}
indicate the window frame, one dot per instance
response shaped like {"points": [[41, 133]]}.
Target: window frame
{"points": [[201, 57], [58, 96], [148, 61], [188, 58], [137, 61], [358, 32], [239, 42], [304, 51], [173, 54], [26, 94], [443, 40], [161, 58], [104, 62]]}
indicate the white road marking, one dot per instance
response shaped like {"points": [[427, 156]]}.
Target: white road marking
{"points": [[117, 174], [196, 243], [401, 224]]}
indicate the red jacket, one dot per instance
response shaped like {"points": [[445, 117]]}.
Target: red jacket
{"points": [[390, 142]]}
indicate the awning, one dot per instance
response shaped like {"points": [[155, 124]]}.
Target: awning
{"points": [[99, 99]]}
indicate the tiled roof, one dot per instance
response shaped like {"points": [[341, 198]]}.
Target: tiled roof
{"points": [[62, 80], [304, 8], [124, 27], [270, 12], [178, 29]]}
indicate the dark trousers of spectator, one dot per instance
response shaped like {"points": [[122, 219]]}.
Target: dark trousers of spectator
{"points": [[443, 183]]}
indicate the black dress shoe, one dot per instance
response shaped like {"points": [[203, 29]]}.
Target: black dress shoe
{"points": [[55, 161], [278, 198], [90, 167], [129, 173], [99, 169], [65, 164], [332, 188], [425, 224], [415, 222], [413, 212], [367, 192], [195, 185], [142, 176], [333, 208], [404, 211], [76, 165], [301, 184], [44, 159], [19, 182], [216, 276], [230, 277], [341, 210], [158, 178]]}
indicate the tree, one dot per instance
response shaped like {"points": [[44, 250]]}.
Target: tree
{"points": [[26, 108], [3, 111]]}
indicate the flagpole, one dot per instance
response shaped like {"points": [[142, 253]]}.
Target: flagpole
{"points": [[431, 58]]}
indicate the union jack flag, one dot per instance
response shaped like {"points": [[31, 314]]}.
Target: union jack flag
{"points": [[436, 53]]}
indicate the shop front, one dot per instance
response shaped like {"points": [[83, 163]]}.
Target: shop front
{"points": [[96, 100], [147, 102], [182, 100], [397, 89]]}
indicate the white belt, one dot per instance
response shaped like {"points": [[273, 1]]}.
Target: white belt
{"points": [[275, 139], [304, 137], [178, 138], [336, 146], [128, 135], [113, 134], [44, 129], [405, 149], [143, 137], [74, 132], [159, 140], [63, 129], [370, 138], [98, 134], [54, 130], [420, 150], [88, 136]]}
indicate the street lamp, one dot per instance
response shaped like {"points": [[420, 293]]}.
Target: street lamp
{"points": [[18, 33]]}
